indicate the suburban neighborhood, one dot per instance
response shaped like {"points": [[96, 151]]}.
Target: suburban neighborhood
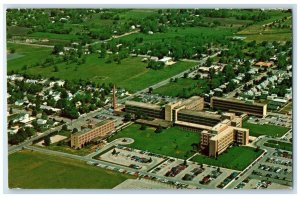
{"points": [[150, 98]]}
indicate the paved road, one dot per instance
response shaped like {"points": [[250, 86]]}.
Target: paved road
{"points": [[67, 48], [166, 81], [14, 148]]}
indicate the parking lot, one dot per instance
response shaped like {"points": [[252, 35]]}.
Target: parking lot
{"points": [[193, 173], [132, 158], [278, 120], [259, 184]]}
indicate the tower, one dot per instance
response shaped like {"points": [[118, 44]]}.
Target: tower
{"points": [[114, 99]]}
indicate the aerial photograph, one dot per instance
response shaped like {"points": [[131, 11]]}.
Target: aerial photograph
{"points": [[169, 99]]}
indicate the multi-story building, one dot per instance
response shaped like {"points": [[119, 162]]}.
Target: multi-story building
{"points": [[221, 136], [218, 132], [238, 106], [92, 131], [144, 109]]}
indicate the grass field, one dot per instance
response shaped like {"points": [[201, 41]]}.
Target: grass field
{"points": [[287, 108], [27, 55], [174, 141], [32, 170], [266, 129], [258, 33], [279, 145], [180, 35], [43, 35], [131, 74], [175, 88], [237, 158]]}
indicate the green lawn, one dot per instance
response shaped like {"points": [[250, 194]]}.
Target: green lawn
{"points": [[237, 158], [43, 35], [279, 145], [32, 170], [266, 129], [174, 89], [179, 35], [26, 55], [174, 141], [131, 74], [258, 33]]}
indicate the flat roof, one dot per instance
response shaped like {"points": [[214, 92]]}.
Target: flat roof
{"points": [[238, 101], [189, 124], [201, 114], [89, 129], [142, 105], [226, 132]]}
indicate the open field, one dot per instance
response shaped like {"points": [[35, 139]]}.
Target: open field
{"points": [[175, 89], [258, 33], [26, 55], [287, 108], [173, 142], [279, 145], [237, 158], [266, 129], [32, 170], [181, 35], [284, 36], [43, 35], [131, 74]]}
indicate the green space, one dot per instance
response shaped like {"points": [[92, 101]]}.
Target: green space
{"points": [[265, 129], [259, 33], [33, 170], [43, 35], [67, 149], [279, 145], [30, 55], [184, 87], [183, 34], [131, 73], [237, 158], [14, 56], [284, 36], [286, 109], [173, 141]]}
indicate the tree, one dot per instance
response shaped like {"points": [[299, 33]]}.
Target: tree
{"points": [[158, 129], [56, 68], [257, 149], [185, 75], [47, 141], [12, 50], [65, 127], [75, 130], [143, 127], [127, 117], [58, 48], [150, 90], [114, 152]]}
